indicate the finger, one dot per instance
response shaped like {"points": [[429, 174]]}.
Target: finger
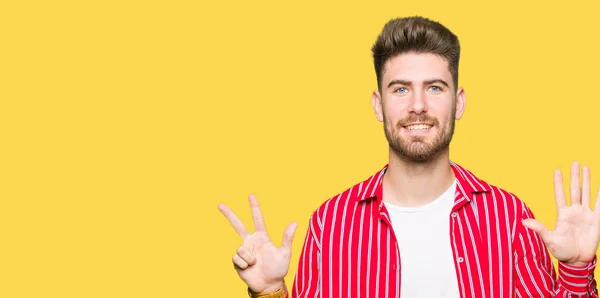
{"points": [[585, 188], [575, 190], [597, 204], [288, 236], [259, 222], [234, 221], [559, 190], [237, 261], [246, 255], [539, 228]]}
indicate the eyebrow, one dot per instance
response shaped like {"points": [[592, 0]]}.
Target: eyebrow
{"points": [[409, 83], [439, 81]]}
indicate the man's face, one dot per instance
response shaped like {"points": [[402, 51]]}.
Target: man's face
{"points": [[418, 105]]}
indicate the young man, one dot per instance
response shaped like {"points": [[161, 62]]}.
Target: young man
{"points": [[423, 226]]}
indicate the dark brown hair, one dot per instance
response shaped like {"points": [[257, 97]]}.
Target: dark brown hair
{"points": [[419, 35]]}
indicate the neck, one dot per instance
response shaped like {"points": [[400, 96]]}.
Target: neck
{"points": [[411, 183]]}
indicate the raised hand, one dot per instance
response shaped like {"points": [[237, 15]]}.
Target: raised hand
{"points": [[575, 237], [260, 264]]}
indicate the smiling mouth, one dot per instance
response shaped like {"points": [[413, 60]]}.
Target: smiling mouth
{"points": [[417, 127]]}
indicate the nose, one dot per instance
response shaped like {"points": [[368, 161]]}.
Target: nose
{"points": [[418, 103]]}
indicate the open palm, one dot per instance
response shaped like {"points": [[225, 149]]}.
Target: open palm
{"points": [[576, 234], [259, 263]]}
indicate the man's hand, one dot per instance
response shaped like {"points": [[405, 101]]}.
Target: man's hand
{"points": [[575, 237], [260, 264]]}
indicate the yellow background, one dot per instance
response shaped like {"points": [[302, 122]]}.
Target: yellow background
{"points": [[123, 124]]}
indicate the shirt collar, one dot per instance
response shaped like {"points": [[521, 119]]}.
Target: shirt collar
{"points": [[467, 184]]}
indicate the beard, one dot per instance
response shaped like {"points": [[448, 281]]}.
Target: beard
{"points": [[417, 148]]}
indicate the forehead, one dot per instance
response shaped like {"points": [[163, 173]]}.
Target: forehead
{"points": [[416, 67]]}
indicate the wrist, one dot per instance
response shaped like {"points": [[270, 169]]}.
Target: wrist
{"points": [[277, 290], [576, 264], [274, 287], [579, 263]]}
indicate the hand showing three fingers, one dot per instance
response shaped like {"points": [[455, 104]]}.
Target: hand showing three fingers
{"points": [[260, 264], [575, 237]]}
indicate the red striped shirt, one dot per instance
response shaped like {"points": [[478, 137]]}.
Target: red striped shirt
{"points": [[350, 249]]}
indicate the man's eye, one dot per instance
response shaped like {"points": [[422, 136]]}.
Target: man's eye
{"points": [[401, 90], [435, 88]]}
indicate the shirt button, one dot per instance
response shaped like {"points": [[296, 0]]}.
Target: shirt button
{"points": [[460, 259], [454, 214]]}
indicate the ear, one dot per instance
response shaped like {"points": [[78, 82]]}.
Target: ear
{"points": [[377, 105], [461, 103]]}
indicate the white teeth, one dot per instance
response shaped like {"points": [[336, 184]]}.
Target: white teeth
{"points": [[418, 127]]}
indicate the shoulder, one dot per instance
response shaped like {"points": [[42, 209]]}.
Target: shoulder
{"points": [[340, 202], [492, 197], [508, 200]]}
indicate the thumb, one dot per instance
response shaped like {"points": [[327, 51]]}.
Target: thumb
{"points": [[537, 227], [288, 236]]}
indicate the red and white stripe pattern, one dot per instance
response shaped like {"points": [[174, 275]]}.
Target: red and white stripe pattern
{"points": [[350, 249]]}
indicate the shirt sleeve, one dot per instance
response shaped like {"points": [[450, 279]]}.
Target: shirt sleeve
{"points": [[307, 282], [534, 271], [578, 280]]}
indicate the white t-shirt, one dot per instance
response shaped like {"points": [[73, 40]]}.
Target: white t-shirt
{"points": [[423, 234]]}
